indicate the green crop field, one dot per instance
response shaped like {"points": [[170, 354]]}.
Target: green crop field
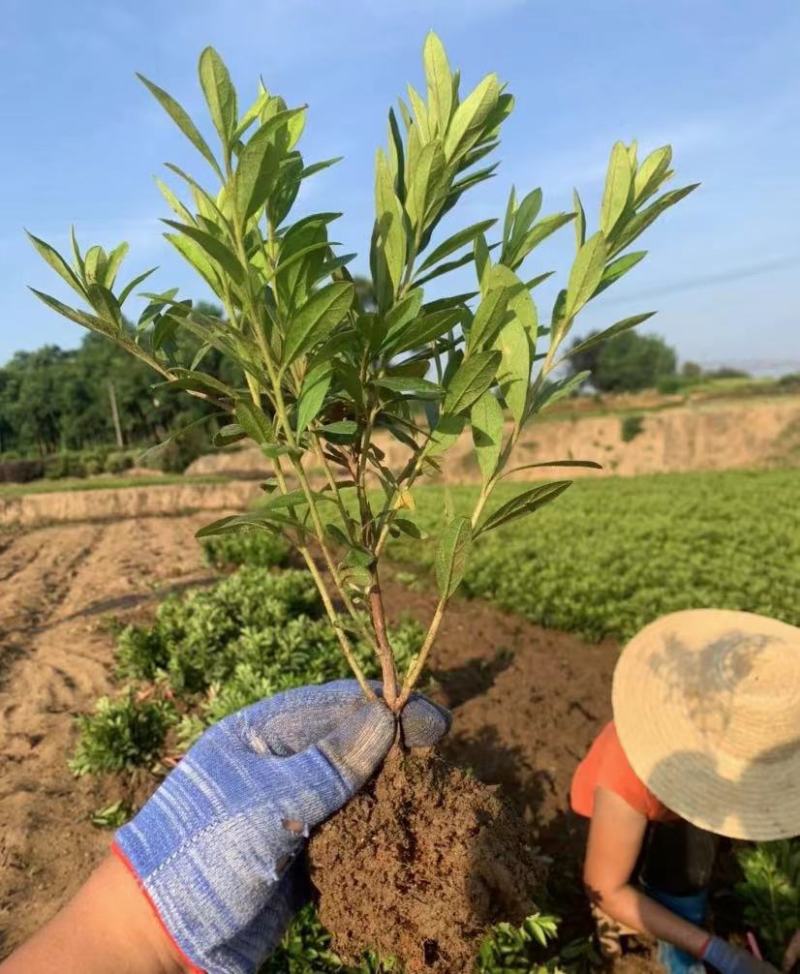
{"points": [[612, 554]]}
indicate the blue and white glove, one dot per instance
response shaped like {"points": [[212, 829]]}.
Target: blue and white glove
{"points": [[213, 848], [729, 959]]}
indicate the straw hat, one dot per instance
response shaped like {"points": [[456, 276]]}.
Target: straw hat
{"points": [[707, 708]]}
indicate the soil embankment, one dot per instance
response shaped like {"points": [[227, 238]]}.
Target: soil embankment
{"points": [[706, 436]]}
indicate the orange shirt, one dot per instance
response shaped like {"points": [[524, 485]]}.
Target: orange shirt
{"points": [[605, 766]]}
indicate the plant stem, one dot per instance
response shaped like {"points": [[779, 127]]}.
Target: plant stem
{"points": [[416, 668], [385, 653]]}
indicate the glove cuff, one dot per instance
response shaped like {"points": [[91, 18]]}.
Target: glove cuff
{"points": [[188, 963]]}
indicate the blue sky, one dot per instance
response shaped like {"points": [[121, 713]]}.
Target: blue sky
{"points": [[719, 79]]}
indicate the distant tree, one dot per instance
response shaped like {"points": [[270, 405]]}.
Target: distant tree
{"points": [[627, 363], [691, 370]]}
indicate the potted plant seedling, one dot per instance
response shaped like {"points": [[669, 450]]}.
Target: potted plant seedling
{"points": [[412, 868]]}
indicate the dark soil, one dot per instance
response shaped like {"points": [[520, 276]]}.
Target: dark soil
{"points": [[421, 864]]}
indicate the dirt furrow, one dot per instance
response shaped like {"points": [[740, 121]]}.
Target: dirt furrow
{"points": [[61, 583]]}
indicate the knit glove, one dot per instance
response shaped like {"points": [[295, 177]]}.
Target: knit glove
{"points": [[213, 849], [728, 959]]}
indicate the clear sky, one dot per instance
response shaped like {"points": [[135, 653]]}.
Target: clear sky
{"points": [[719, 79]]}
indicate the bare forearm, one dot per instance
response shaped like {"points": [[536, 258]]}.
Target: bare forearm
{"points": [[633, 908], [107, 928]]}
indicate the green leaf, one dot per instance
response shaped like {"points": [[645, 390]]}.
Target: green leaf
{"points": [[516, 341], [92, 322], [113, 263], [585, 274], [550, 394], [194, 254], [592, 464], [388, 251], [451, 555], [651, 173], [617, 329], [184, 123], [346, 428], [423, 330], [540, 231], [508, 222], [219, 252], [526, 213], [617, 188], [57, 262], [440, 81], [523, 504], [580, 220], [637, 224], [155, 451], [312, 395], [409, 527], [474, 376], [253, 421], [448, 430], [402, 314], [220, 94], [470, 117], [125, 293], [232, 433], [257, 169], [616, 268], [417, 388], [425, 183], [318, 317], [489, 318], [487, 433]]}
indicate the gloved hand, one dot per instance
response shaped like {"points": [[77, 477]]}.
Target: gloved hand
{"points": [[728, 959], [213, 849]]}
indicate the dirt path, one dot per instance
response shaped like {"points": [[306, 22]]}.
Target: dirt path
{"points": [[56, 587]]}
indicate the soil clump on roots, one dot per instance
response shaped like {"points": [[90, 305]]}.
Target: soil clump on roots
{"points": [[421, 864]]}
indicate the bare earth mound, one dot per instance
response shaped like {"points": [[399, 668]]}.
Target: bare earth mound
{"points": [[421, 864]]}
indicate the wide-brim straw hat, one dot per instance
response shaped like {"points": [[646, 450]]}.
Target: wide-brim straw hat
{"points": [[707, 709]]}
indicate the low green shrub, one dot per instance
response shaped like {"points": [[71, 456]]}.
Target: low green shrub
{"points": [[121, 733], [118, 461], [247, 547], [770, 892], [631, 427]]}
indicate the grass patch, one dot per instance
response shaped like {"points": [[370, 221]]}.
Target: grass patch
{"points": [[104, 483]]}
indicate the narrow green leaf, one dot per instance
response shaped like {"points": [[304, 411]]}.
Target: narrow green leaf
{"points": [[448, 429], [92, 322], [585, 274], [196, 256], [407, 526], [420, 115], [183, 121], [417, 388], [617, 329], [637, 224], [617, 188], [580, 220], [455, 242], [57, 262], [105, 304], [174, 203], [471, 116], [312, 395], [125, 293], [318, 317], [220, 94], [425, 183], [115, 259], [526, 213], [425, 329], [508, 223], [253, 421], [616, 268], [440, 81], [547, 226], [257, 170], [452, 552], [490, 315], [227, 435], [389, 239], [404, 312], [475, 375], [219, 252], [523, 504], [345, 428], [550, 394], [95, 264], [592, 464], [487, 433], [651, 173]]}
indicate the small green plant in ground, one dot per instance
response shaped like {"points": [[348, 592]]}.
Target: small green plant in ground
{"points": [[112, 816], [247, 547], [631, 427], [122, 733], [771, 893]]}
